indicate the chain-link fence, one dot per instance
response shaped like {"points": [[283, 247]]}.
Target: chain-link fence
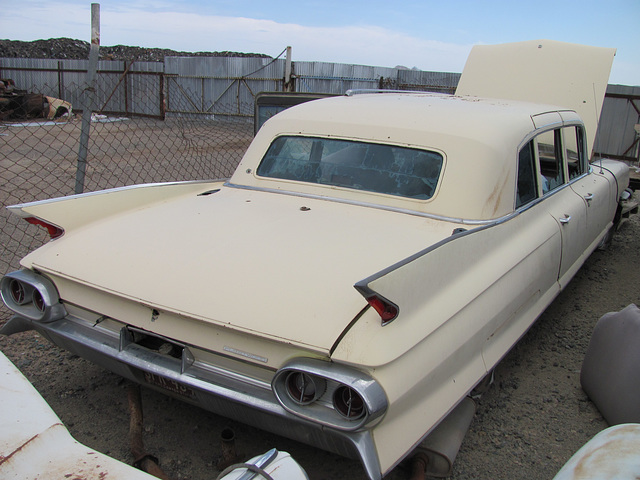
{"points": [[38, 159], [181, 119]]}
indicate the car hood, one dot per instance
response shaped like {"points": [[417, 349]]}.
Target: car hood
{"points": [[271, 264]]}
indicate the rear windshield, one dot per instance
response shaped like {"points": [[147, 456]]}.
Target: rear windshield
{"points": [[401, 171]]}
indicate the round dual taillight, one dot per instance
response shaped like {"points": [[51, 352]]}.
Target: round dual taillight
{"points": [[303, 388], [18, 293], [330, 394], [31, 296], [348, 403], [21, 295], [38, 301]]}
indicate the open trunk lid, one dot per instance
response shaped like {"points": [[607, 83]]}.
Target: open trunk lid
{"points": [[542, 71]]}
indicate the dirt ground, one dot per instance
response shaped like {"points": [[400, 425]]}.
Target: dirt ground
{"points": [[528, 424]]}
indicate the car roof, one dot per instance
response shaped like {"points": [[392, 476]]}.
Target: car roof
{"points": [[476, 136], [409, 118]]}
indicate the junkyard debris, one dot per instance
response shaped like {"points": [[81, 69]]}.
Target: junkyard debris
{"points": [[20, 104]]}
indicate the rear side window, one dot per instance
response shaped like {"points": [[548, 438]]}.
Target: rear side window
{"points": [[550, 160], [549, 146], [527, 184], [386, 169]]}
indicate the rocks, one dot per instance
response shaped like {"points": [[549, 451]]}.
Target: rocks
{"points": [[68, 48]]}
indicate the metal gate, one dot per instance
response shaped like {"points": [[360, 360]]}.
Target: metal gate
{"points": [[219, 86]]}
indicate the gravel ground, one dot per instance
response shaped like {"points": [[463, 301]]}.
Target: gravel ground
{"points": [[532, 419]]}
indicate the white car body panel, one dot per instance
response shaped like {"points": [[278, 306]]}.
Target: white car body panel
{"points": [[612, 453], [35, 444]]}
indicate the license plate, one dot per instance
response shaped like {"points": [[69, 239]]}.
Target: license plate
{"points": [[170, 385]]}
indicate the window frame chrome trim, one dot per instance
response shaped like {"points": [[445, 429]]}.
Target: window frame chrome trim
{"points": [[360, 203], [530, 136]]}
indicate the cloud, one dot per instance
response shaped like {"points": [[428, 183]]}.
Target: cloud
{"points": [[159, 23], [625, 73], [359, 44], [42, 20]]}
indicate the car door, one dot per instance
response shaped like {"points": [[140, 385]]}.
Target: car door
{"points": [[560, 201], [596, 191], [592, 186]]}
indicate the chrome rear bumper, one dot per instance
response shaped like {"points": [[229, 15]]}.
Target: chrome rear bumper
{"points": [[180, 375]]}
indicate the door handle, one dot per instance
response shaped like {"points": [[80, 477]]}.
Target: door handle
{"points": [[588, 197], [566, 219]]}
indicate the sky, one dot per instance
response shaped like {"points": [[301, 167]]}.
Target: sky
{"points": [[428, 35]]}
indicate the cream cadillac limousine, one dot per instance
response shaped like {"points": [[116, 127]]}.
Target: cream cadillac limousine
{"points": [[370, 261]]}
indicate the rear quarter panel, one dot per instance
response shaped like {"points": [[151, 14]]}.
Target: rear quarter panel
{"points": [[462, 307]]}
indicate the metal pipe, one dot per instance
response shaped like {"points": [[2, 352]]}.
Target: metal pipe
{"points": [[142, 460], [443, 443], [419, 464], [228, 447], [288, 70]]}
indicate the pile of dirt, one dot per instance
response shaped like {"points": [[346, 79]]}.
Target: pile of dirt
{"points": [[69, 48]]}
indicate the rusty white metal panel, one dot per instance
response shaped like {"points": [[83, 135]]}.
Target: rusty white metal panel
{"points": [[46, 76], [35, 444], [123, 87], [107, 95], [143, 94], [613, 453], [70, 81], [66, 79], [73, 81], [154, 67], [337, 78], [224, 67], [442, 82], [323, 77]]}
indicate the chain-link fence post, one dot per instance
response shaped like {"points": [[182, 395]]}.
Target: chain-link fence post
{"points": [[89, 94]]}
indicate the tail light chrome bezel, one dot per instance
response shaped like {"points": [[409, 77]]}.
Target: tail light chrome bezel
{"points": [[38, 299], [348, 403], [325, 405], [304, 389]]}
